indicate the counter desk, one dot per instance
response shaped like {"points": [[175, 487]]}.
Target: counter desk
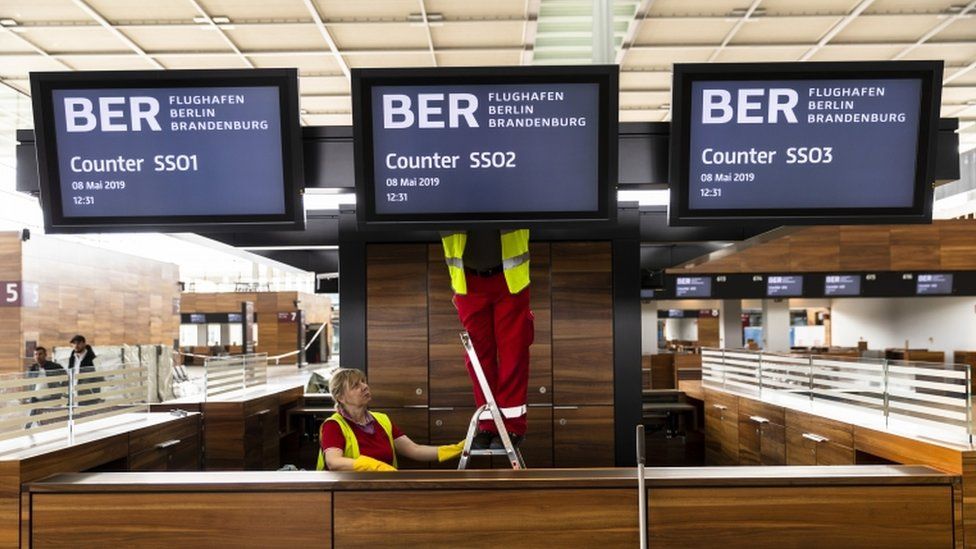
{"points": [[124, 442], [243, 429], [755, 507]]}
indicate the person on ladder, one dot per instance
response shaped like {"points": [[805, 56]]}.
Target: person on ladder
{"points": [[489, 271]]}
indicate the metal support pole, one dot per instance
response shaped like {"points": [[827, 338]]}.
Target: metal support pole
{"points": [[641, 490], [603, 47]]}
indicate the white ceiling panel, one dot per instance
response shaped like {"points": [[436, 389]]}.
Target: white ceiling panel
{"points": [[644, 80], [468, 34], [683, 31], [20, 65], [75, 39], [754, 55], [278, 37], [202, 62], [895, 6], [378, 60], [900, 28], [328, 119], [156, 10], [256, 9], [664, 57], [956, 93], [856, 53], [11, 42], [128, 62], [780, 7], [696, 7], [480, 58], [644, 99], [960, 29], [379, 36], [323, 84], [784, 30], [152, 38], [28, 11], [453, 9], [393, 10], [959, 54], [318, 63], [338, 104]]}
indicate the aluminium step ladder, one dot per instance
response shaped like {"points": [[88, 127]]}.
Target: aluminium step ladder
{"points": [[489, 410]]}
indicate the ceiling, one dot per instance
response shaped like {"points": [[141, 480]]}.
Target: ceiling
{"points": [[325, 38]]}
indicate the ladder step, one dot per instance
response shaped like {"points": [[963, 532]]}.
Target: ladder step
{"points": [[498, 452]]}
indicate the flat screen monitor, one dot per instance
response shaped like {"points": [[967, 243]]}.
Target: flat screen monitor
{"points": [[465, 146], [168, 151], [804, 143], [842, 285], [693, 286], [933, 284], [784, 286]]}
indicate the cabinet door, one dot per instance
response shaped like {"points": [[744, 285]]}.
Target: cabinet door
{"points": [[713, 434], [537, 446], [582, 436], [750, 435], [829, 453], [413, 423], [730, 439], [449, 425], [800, 450], [254, 438], [772, 444]]}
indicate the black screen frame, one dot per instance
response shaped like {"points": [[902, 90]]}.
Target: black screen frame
{"points": [[43, 84], [930, 74], [363, 80]]}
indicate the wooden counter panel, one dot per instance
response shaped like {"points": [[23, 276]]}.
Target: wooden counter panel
{"points": [[834, 431], [749, 407], [488, 518], [76, 458], [182, 520], [147, 439], [908, 451], [809, 516]]}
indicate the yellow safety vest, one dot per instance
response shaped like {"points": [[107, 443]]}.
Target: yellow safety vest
{"points": [[515, 259], [352, 446]]}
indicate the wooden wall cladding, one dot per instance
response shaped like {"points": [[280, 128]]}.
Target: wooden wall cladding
{"points": [[582, 323], [180, 520], [488, 518], [110, 297], [838, 516], [942, 245], [396, 323], [274, 338], [409, 284], [11, 351]]}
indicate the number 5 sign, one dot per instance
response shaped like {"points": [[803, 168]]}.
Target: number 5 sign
{"points": [[16, 293]]}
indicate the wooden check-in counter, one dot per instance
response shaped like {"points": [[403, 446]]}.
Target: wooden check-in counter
{"points": [[127, 442], [740, 430], [754, 507], [243, 429]]}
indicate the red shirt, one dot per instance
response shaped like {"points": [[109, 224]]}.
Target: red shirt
{"points": [[376, 445]]}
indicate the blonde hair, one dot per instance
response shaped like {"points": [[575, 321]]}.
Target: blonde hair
{"points": [[341, 380]]}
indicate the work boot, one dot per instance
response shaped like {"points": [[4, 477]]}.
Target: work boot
{"points": [[496, 441], [482, 440]]}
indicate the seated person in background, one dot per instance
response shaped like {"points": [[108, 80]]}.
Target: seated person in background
{"points": [[355, 439]]}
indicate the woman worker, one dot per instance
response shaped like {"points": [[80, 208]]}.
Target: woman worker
{"points": [[356, 439]]}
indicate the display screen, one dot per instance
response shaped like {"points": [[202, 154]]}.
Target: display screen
{"points": [[693, 286], [485, 145], [784, 286], [933, 284], [168, 151], [842, 285], [804, 141]]}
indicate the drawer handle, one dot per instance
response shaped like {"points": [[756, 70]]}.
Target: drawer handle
{"points": [[441, 409], [565, 407], [168, 443], [759, 419], [720, 407], [416, 406], [816, 438], [262, 412]]}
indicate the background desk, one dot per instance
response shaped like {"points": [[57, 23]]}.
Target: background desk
{"points": [[244, 429], [128, 442], [754, 507]]}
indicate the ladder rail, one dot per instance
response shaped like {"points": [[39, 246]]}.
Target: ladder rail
{"points": [[514, 455]]}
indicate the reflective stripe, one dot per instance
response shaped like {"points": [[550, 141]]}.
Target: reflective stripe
{"points": [[351, 450], [512, 412], [513, 262], [455, 262]]}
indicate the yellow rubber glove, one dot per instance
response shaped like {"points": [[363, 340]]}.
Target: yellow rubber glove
{"points": [[366, 463], [449, 451]]}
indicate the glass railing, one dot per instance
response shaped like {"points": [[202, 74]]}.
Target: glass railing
{"points": [[36, 402], [226, 374], [927, 398]]}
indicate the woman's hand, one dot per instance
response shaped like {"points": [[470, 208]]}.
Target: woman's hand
{"points": [[449, 451]]}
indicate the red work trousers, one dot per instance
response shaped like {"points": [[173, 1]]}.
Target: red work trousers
{"points": [[501, 328]]}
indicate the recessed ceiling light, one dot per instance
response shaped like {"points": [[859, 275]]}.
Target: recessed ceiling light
{"points": [[220, 19], [303, 111], [201, 19], [7, 22], [435, 19]]}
